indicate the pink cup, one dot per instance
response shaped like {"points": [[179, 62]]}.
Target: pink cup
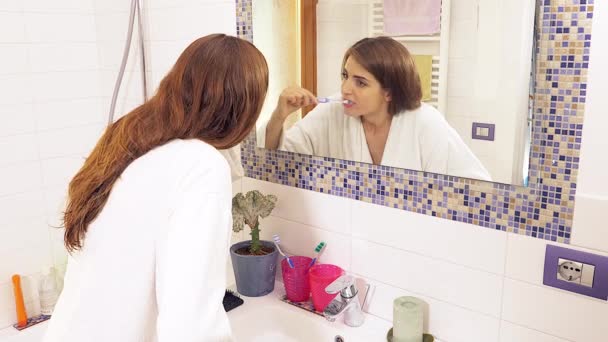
{"points": [[320, 276], [297, 287]]}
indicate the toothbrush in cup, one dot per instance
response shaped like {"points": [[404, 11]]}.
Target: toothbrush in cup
{"points": [[328, 100], [319, 250], [277, 241]]}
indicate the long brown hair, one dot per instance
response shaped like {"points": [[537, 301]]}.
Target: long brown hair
{"points": [[392, 65], [213, 93]]}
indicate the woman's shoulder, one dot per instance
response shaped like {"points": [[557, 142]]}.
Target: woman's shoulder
{"points": [[190, 155], [424, 117]]}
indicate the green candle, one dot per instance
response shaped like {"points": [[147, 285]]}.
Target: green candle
{"points": [[407, 319]]}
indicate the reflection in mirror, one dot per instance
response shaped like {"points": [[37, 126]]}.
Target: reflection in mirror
{"points": [[437, 86]]}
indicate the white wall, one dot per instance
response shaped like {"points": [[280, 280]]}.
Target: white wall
{"points": [[340, 24], [481, 285], [50, 116], [488, 78], [278, 38], [58, 68]]}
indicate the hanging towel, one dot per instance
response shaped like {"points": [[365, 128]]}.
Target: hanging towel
{"points": [[411, 17], [424, 64]]}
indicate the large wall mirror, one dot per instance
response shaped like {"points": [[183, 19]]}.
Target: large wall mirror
{"points": [[490, 62], [474, 60]]}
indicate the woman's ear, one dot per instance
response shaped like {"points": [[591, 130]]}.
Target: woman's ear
{"points": [[387, 95]]}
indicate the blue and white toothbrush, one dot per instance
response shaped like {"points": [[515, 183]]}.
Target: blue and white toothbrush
{"points": [[319, 250], [328, 100], [277, 241]]}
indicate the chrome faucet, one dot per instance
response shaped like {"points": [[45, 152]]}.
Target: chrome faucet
{"points": [[347, 304]]}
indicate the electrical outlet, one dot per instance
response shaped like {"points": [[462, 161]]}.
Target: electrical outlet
{"points": [[576, 271], [570, 271]]}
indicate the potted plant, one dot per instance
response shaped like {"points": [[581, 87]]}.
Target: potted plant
{"points": [[254, 261]]}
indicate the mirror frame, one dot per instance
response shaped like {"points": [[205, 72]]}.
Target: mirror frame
{"points": [[542, 210]]}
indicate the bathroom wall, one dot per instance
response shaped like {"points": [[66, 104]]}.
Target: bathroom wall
{"points": [[50, 116], [59, 64], [339, 25], [278, 37], [480, 284], [488, 76]]}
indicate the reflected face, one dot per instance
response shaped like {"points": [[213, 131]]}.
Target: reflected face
{"points": [[363, 90]]}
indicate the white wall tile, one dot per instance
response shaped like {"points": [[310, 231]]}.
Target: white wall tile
{"points": [[19, 178], [300, 239], [11, 5], [55, 201], [14, 59], [16, 89], [14, 208], [111, 53], [63, 57], [22, 233], [68, 113], [64, 85], [17, 119], [185, 22], [311, 208], [555, 312], [71, 141], [57, 27], [587, 228], [58, 6], [594, 159], [479, 247], [131, 86], [12, 27], [103, 6], [526, 258], [164, 54], [459, 285], [510, 332], [444, 321], [57, 172], [18, 149]]}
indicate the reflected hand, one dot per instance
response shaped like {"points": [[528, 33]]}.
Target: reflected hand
{"points": [[292, 99]]}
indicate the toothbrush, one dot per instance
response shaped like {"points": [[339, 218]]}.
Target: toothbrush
{"points": [[319, 250], [277, 241], [328, 100]]}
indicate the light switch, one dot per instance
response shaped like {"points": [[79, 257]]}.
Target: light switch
{"points": [[483, 131], [588, 274]]}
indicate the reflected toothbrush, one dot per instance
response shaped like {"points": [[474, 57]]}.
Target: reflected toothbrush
{"points": [[328, 100], [319, 250], [277, 241]]}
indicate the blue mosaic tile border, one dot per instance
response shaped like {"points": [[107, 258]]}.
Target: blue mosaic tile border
{"points": [[543, 210]]}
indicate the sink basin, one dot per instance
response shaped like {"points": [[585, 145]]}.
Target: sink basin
{"points": [[269, 319], [266, 319]]}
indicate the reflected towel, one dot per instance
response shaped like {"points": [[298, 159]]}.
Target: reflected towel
{"points": [[411, 17], [424, 64]]}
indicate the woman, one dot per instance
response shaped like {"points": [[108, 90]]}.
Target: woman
{"points": [[383, 122], [148, 217]]}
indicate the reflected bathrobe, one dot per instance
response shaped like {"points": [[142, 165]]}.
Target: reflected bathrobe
{"points": [[419, 139], [153, 263]]}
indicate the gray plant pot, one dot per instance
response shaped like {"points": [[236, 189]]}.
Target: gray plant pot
{"points": [[254, 274]]}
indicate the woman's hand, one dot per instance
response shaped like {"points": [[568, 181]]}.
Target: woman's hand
{"points": [[292, 99]]}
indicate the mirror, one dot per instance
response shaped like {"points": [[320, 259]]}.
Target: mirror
{"points": [[473, 59]]}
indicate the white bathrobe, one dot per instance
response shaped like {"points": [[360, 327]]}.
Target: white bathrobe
{"points": [[420, 139], [153, 265]]}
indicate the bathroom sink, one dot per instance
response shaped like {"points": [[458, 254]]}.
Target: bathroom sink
{"points": [[266, 319], [269, 319]]}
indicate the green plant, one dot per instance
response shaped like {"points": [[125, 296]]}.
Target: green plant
{"points": [[247, 210]]}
